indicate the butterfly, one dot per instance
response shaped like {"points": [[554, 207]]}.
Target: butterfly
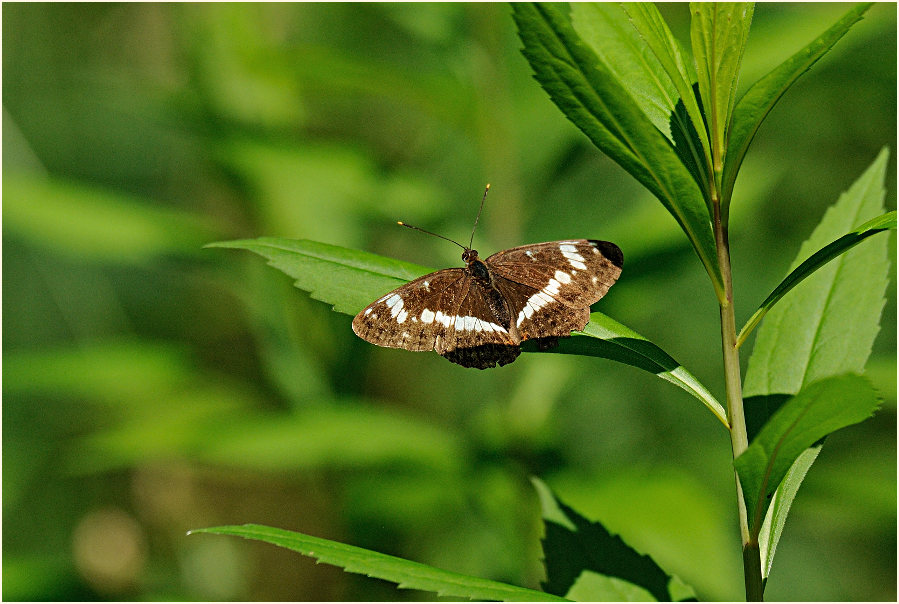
{"points": [[478, 315]]}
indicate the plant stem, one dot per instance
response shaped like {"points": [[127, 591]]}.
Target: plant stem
{"points": [[752, 571], [739, 440]]}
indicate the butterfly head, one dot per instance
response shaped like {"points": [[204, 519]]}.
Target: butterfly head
{"points": [[469, 255]]}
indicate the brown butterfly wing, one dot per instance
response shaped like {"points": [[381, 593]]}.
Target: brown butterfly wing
{"points": [[551, 285], [410, 317], [584, 269]]}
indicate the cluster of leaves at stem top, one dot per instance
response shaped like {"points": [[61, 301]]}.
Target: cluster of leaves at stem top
{"points": [[671, 120]]}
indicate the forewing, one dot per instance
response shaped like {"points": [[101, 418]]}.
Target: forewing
{"points": [[539, 314], [576, 273], [409, 316]]}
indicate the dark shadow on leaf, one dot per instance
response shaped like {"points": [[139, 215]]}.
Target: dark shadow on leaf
{"points": [[591, 547], [759, 408], [686, 140]]}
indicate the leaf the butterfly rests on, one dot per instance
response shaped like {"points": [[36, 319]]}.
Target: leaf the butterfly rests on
{"points": [[477, 316]]}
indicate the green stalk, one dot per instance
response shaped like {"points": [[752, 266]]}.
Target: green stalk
{"points": [[752, 572]]}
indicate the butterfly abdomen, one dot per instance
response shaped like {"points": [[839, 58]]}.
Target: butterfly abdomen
{"points": [[492, 297]]}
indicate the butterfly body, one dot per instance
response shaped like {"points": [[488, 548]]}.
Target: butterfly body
{"points": [[478, 315]]}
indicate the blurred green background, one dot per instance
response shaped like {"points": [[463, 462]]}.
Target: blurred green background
{"points": [[151, 386]]}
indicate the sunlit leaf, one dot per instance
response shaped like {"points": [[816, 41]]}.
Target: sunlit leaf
{"points": [[779, 509], [817, 260], [718, 31], [827, 325], [405, 573], [594, 587], [820, 408], [613, 32], [688, 128], [347, 279]]}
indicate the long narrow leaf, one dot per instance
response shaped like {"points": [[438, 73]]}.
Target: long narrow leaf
{"points": [[405, 573], [550, 45], [608, 30], [586, 91], [634, 44], [779, 509], [819, 409], [842, 245], [752, 108], [718, 31]]}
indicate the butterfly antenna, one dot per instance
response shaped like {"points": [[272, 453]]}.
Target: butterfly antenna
{"points": [[409, 226], [483, 199]]}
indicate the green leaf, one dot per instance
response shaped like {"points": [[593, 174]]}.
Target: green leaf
{"points": [[406, 574], [779, 509], [882, 223], [824, 327], [347, 279], [820, 408], [827, 325], [606, 338], [594, 587], [687, 124], [573, 545], [590, 95], [719, 31], [606, 28], [752, 108]]}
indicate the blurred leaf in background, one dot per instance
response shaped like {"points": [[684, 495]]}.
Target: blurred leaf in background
{"points": [[152, 386]]}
